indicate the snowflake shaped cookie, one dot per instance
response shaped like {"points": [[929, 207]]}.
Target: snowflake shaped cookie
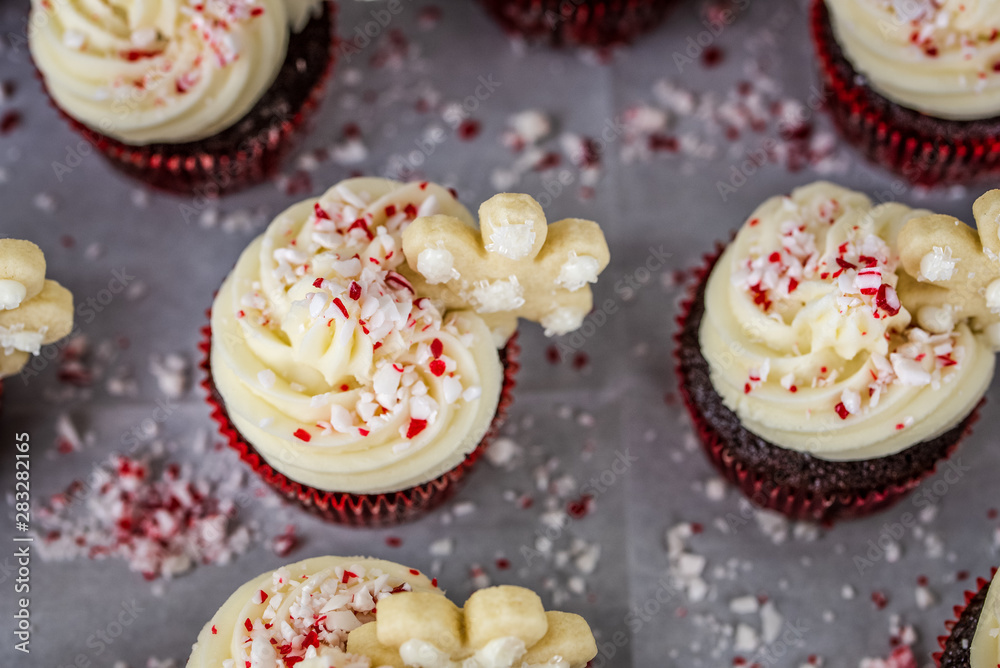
{"points": [[500, 627], [954, 270], [514, 266], [33, 311]]}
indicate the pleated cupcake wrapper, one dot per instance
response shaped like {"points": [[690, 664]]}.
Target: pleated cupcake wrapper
{"points": [[589, 23], [924, 158], [210, 173], [370, 510], [958, 611], [758, 486]]}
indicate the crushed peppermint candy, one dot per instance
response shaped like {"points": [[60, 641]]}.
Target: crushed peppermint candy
{"points": [[340, 272], [785, 277], [297, 618], [162, 523]]}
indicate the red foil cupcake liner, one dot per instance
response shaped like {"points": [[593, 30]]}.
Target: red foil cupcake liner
{"points": [[958, 611], [369, 510], [590, 23], [923, 149], [186, 168], [757, 485]]}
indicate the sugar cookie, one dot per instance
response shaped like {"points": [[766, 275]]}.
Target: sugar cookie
{"points": [[956, 269], [33, 311], [499, 626], [514, 266]]}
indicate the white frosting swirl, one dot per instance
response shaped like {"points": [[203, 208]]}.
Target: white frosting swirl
{"points": [[938, 57], [331, 367], [145, 71], [985, 650], [309, 608], [807, 341]]}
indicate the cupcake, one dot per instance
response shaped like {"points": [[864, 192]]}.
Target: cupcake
{"points": [[188, 96], [33, 311], [586, 23], [361, 353], [915, 86], [296, 613], [336, 612], [974, 641], [832, 356]]}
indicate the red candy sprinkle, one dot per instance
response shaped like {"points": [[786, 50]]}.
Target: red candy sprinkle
{"points": [[416, 426], [437, 347], [887, 299], [841, 410], [362, 224], [320, 213], [247, 623], [318, 283], [9, 121], [339, 304], [302, 435], [437, 367], [469, 129], [355, 291]]}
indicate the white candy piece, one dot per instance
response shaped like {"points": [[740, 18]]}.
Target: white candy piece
{"points": [[19, 338], [910, 372], [499, 295], [578, 271], [12, 293], [532, 125], [513, 241], [938, 265], [852, 401], [562, 321], [74, 39], [437, 265]]}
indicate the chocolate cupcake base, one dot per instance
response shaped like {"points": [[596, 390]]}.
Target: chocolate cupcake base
{"points": [[591, 23], [251, 150], [369, 510], [956, 647], [795, 484], [923, 149]]}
